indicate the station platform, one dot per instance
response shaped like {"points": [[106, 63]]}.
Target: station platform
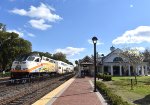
{"points": [[76, 91], [3, 78]]}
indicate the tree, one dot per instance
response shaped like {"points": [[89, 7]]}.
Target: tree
{"points": [[62, 57], [11, 45], [68, 62], [59, 56], [134, 58], [2, 27], [46, 54], [98, 57], [76, 62], [146, 54]]}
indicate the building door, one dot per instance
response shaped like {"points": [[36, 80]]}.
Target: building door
{"points": [[86, 69], [132, 71], [106, 70], [116, 70]]}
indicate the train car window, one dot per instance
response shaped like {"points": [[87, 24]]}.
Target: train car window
{"points": [[51, 61], [47, 59], [37, 60], [31, 58]]}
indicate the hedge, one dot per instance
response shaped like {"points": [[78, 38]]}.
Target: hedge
{"points": [[104, 77], [113, 98]]}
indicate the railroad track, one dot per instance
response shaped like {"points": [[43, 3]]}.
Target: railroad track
{"points": [[26, 94]]}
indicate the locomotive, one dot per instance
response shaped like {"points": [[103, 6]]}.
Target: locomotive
{"points": [[32, 64]]}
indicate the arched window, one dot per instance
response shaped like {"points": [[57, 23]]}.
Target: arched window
{"points": [[117, 59]]}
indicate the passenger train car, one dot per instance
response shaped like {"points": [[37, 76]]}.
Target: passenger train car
{"points": [[32, 64]]}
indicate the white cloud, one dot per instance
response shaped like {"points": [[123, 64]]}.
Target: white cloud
{"points": [[131, 6], [41, 12], [21, 32], [70, 51], [31, 35], [91, 42], [39, 24], [139, 48], [18, 32], [21, 12], [44, 13], [139, 35]]}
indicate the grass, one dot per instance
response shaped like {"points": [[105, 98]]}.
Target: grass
{"points": [[140, 94]]}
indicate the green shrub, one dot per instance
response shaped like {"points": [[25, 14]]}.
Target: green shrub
{"points": [[107, 77], [100, 76], [104, 77], [7, 74], [113, 98]]}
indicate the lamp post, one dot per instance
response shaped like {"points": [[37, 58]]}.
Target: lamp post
{"points": [[94, 39]]}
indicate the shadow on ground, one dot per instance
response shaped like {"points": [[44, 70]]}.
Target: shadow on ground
{"points": [[143, 101]]}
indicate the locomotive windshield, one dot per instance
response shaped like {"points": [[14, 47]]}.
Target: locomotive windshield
{"points": [[31, 58]]}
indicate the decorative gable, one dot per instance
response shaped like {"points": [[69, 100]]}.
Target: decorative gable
{"points": [[86, 60], [114, 55]]}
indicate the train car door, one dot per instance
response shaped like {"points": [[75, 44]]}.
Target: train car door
{"points": [[38, 61]]}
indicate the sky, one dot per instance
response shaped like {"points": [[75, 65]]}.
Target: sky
{"points": [[68, 25]]}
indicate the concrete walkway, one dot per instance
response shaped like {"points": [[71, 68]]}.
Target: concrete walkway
{"points": [[80, 92]]}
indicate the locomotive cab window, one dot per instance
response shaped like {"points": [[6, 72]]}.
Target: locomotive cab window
{"points": [[31, 58], [21, 58], [51, 61], [37, 60]]}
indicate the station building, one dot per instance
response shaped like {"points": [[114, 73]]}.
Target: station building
{"points": [[113, 64]]}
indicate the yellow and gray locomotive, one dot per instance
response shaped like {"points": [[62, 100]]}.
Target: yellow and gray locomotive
{"points": [[32, 64]]}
